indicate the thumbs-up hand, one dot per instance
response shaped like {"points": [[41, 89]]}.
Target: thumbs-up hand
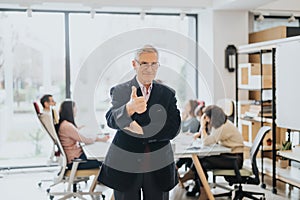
{"points": [[133, 92], [136, 104]]}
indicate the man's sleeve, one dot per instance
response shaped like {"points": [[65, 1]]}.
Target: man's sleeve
{"points": [[171, 128], [117, 116]]}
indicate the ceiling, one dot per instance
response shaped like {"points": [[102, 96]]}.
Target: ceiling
{"points": [[178, 6]]}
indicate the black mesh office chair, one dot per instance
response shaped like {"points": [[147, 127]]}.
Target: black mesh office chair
{"points": [[245, 176]]}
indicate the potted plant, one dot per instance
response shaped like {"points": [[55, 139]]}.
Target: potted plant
{"points": [[284, 162]]}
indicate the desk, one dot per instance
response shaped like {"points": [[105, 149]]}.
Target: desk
{"points": [[183, 144], [96, 150], [290, 154], [183, 148]]}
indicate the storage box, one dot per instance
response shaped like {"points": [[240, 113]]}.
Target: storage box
{"points": [[266, 58], [249, 130], [250, 76], [255, 95], [243, 109], [273, 34]]}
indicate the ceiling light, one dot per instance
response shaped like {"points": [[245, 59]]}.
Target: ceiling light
{"points": [[182, 15], [291, 18], [29, 12], [93, 12], [142, 15], [260, 18]]}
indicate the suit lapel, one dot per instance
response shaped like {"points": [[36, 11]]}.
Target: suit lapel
{"points": [[136, 84], [155, 94]]}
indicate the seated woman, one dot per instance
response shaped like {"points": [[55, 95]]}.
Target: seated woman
{"points": [[189, 122], [222, 131], [70, 137]]}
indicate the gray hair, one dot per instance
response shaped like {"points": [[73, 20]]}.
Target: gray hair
{"points": [[145, 49]]}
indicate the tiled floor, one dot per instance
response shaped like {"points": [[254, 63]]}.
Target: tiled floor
{"points": [[23, 184]]}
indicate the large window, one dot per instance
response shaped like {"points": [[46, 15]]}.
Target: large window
{"points": [[87, 34], [31, 64]]}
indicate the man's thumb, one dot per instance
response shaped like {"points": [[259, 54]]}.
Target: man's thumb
{"points": [[133, 92]]}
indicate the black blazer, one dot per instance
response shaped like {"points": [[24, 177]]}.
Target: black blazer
{"points": [[127, 158]]}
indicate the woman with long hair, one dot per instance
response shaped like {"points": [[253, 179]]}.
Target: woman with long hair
{"points": [[70, 137]]}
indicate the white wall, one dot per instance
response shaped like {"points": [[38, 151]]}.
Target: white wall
{"points": [[217, 29]]}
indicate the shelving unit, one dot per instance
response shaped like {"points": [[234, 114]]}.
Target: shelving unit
{"points": [[260, 88], [288, 175]]}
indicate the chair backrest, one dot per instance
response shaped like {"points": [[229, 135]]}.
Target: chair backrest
{"points": [[47, 122], [44, 121], [228, 107], [36, 108], [255, 148], [49, 126]]}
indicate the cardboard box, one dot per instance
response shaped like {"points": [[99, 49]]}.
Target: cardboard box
{"points": [[266, 69], [255, 95], [249, 130], [243, 107], [250, 76], [273, 34]]}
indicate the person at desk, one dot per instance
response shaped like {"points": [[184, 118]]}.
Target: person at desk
{"points": [[70, 137], [47, 102], [145, 115], [222, 131], [189, 122]]}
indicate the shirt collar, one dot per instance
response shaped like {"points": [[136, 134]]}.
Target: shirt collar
{"points": [[142, 86]]}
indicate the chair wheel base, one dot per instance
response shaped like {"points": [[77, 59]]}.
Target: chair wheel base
{"points": [[263, 185]]}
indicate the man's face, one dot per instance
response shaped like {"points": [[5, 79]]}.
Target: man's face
{"points": [[49, 103], [146, 67]]}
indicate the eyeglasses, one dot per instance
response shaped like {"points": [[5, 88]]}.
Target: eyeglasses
{"points": [[145, 65]]}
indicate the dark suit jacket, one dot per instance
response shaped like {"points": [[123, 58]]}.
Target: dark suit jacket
{"points": [[124, 166]]}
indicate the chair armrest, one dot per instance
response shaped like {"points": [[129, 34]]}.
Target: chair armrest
{"points": [[78, 160]]}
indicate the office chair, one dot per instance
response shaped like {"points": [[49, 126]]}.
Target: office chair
{"points": [[245, 176], [70, 176], [54, 153], [228, 107]]}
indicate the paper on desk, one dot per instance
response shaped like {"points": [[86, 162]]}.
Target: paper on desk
{"points": [[185, 142], [184, 138]]}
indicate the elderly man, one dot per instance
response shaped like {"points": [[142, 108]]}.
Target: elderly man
{"points": [[145, 115]]}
